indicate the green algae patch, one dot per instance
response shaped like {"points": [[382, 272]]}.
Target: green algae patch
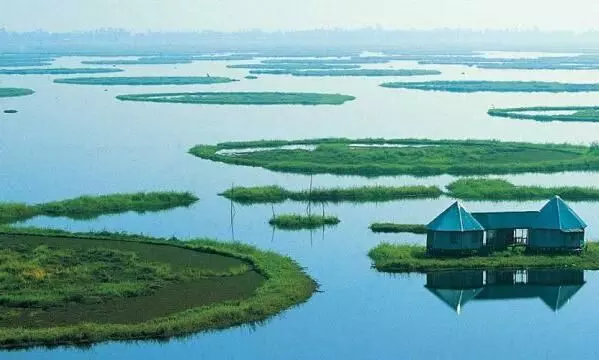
{"points": [[14, 92], [549, 113], [398, 228], [146, 80], [63, 288], [502, 190], [241, 98], [493, 86], [277, 194], [89, 207], [58, 71], [420, 157], [413, 258], [301, 222]]}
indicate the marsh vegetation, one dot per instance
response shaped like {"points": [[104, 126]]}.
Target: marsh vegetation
{"points": [[549, 113], [89, 207], [493, 86], [398, 228], [146, 80], [413, 258], [58, 71], [299, 222], [277, 194], [63, 288], [498, 189], [13, 92], [422, 157], [241, 98]]}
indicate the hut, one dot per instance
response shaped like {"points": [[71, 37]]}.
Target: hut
{"points": [[557, 226], [454, 230]]}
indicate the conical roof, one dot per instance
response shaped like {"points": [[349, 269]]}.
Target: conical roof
{"points": [[455, 218], [557, 215]]}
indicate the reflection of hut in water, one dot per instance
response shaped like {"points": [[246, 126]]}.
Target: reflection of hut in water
{"points": [[555, 227], [554, 287]]}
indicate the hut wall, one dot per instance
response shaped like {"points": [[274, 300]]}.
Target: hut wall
{"points": [[553, 239], [445, 240], [500, 239]]}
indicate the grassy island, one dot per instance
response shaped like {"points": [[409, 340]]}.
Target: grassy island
{"points": [[366, 72], [168, 60], [411, 258], [550, 113], [58, 71], [63, 288], [21, 60], [493, 86], [241, 98], [379, 157], [89, 207], [251, 77], [293, 66], [10, 111], [299, 222], [276, 194], [334, 61], [146, 80], [498, 189], [14, 92], [398, 228]]}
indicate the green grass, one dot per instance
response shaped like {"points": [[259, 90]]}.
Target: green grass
{"points": [[498, 189], [293, 66], [299, 222], [414, 156], [276, 194], [398, 228], [10, 111], [241, 98], [168, 60], [88, 207], [493, 86], [335, 61], [251, 77], [367, 72], [578, 113], [58, 71], [413, 258], [19, 60], [13, 92], [184, 287], [147, 80]]}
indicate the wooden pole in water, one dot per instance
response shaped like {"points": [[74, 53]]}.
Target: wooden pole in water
{"points": [[232, 212]]}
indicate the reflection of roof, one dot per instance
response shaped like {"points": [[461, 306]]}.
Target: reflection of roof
{"points": [[557, 215], [455, 218], [456, 299], [507, 220]]}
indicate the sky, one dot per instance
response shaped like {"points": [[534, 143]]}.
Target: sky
{"points": [[275, 15]]}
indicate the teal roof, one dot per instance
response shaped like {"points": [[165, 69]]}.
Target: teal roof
{"points": [[455, 218], [507, 220], [557, 215]]}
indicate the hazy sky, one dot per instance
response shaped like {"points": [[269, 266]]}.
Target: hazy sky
{"points": [[232, 15]]}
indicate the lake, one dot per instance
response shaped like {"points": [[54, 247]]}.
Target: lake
{"points": [[69, 140]]}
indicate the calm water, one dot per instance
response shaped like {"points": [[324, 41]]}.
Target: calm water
{"points": [[69, 140]]}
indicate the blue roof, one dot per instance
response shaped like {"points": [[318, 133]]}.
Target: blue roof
{"points": [[455, 218], [557, 215], [507, 220]]}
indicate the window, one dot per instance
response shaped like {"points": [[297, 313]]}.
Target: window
{"points": [[520, 236]]}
